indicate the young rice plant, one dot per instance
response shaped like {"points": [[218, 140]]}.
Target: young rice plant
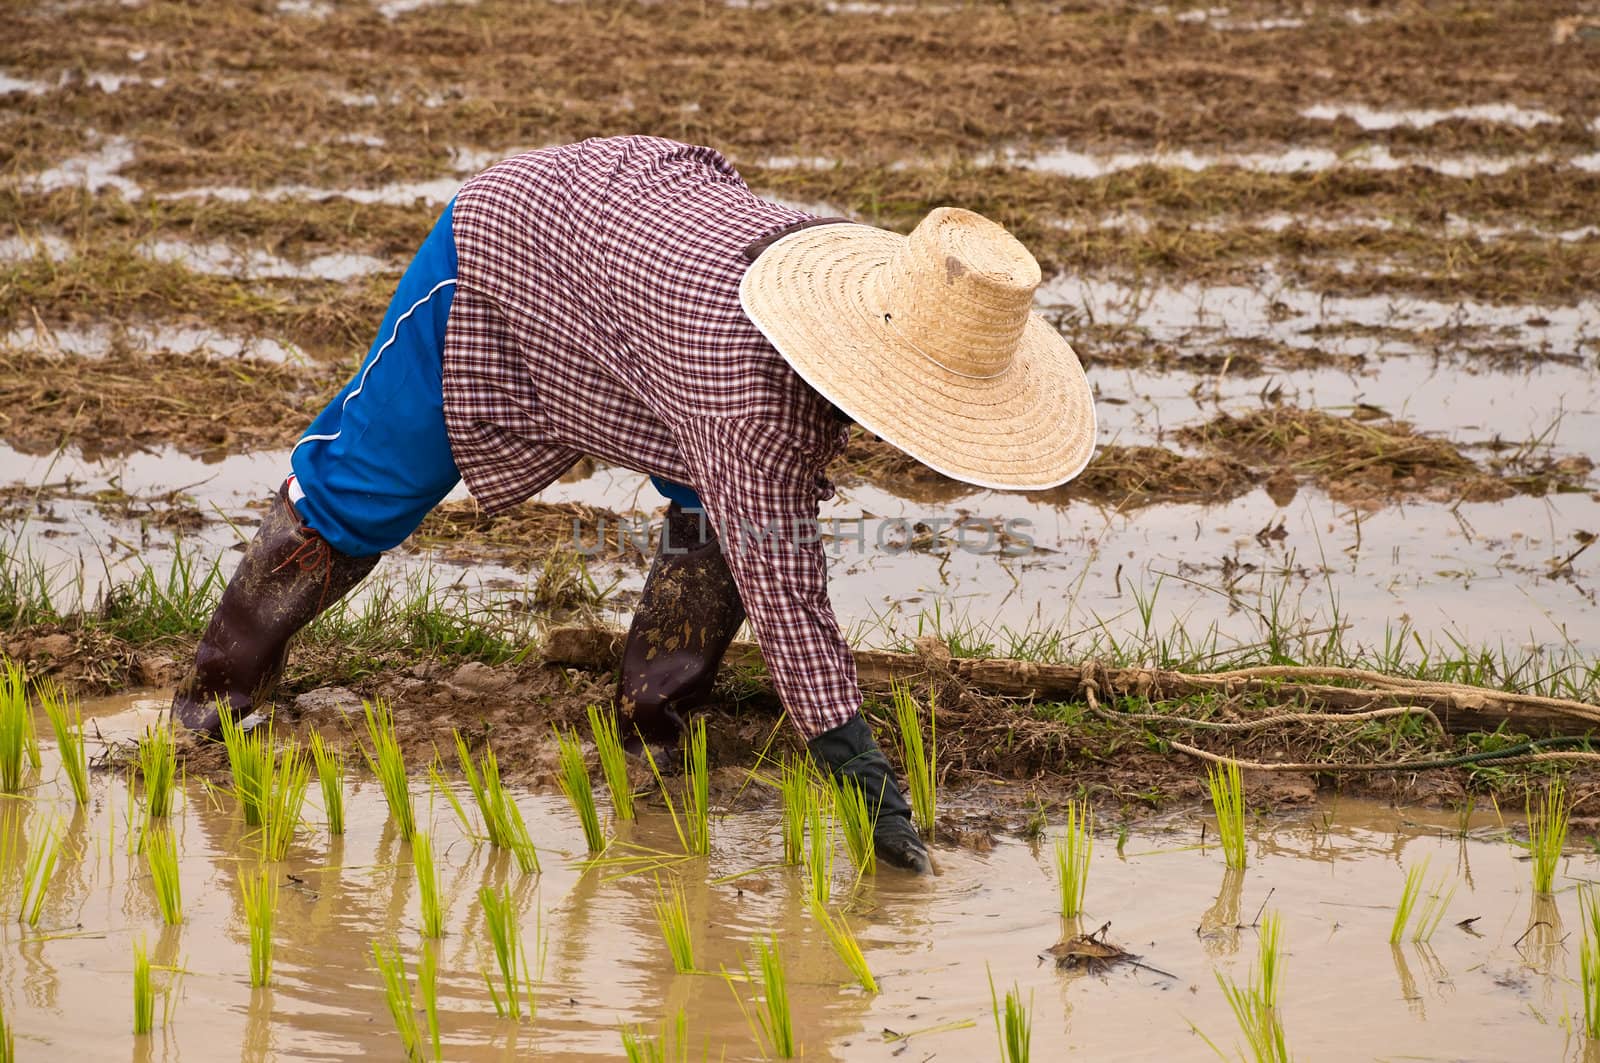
{"points": [[1547, 833], [144, 997], [773, 1016], [397, 993], [389, 766], [921, 769], [433, 913], [613, 760], [672, 914], [1073, 850], [36, 872], [500, 919], [251, 762], [1255, 1005], [158, 769], [17, 738], [845, 944], [285, 797], [66, 720], [1227, 801], [1589, 959], [574, 779], [330, 777], [161, 856], [1013, 1025], [260, 894], [796, 792], [857, 821], [502, 819]]}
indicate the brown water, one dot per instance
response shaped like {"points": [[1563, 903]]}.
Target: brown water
{"points": [[1495, 991]]}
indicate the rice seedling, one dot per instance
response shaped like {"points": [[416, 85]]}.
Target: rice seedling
{"points": [[1432, 911], [1227, 801], [1547, 833], [161, 856], [921, 769], [500, 919], [389, 766], [433, 912], [1589, 959], [1408, 902], [8, 1043], [428, 989], [502, 819], [613, 760], [845, 944], [285, 796], [694, 826], [1428, 905], [1073, 850], [1255, 1005], [66, 720], [819, 848], [330, 776], [773, 1015], [795, 788], [672, 915], [397, 994], [260, 894], [144, 997], [251, 760], [574, 780], [158, 769], [16, 728], [36, 872], [639, 1047], [856, 822], [1014, 1025]]}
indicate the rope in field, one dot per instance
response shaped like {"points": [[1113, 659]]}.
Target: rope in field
{"points": [[1534, 751]]}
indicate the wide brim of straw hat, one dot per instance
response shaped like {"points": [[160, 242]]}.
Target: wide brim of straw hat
{"points": [[812, 294]]}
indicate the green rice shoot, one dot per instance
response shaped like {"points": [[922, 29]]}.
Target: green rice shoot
{"points": [[857, 822], [796, 791], [845, 944], [505, 937], [330, 777], [158, 769], [1547, 833], [773, 1016], [819, 847], [428, 989], [1589, 959], [640, 1047], [693, 827], [1256, 1004], [922, 769], [1430, 913], [502, 819], [161, 857], [1409, 893], [251, 760], [387, 763], [672, 915], [259, 892], [144, 997], [1013, 1024], [36, 873], [8, 1042], [397, 994], [16, 728], [1227, 801], [285, 798], [66, 720], [613, 760], [574, 780], [433, 913], [1074, 848]]}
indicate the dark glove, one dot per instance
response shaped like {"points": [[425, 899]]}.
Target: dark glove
{"points": [[850, 752]]}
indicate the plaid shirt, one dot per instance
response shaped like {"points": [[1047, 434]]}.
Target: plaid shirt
{"points": [[597, 312]]}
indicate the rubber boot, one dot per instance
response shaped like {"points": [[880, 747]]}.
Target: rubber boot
{"points": [[287, 576], [689, 612]]}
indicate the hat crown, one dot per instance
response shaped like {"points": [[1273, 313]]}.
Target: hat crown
{"points": [[960, 290]]}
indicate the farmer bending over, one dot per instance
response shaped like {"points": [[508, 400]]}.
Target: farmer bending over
{"points": [[631, 299]]}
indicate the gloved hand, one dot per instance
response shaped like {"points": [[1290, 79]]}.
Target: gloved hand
{"points": [[850, 752]]}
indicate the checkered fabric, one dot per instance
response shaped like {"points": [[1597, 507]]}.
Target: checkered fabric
{"points": [[597, 312]]}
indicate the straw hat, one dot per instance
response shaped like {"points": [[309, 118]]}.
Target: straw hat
{"points": [[929, 342]]}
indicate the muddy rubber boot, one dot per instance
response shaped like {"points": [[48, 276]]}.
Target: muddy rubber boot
{"points": [[850, 752], [689, 612], [287, 576]]}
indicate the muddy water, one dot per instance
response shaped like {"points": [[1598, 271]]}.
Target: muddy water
{"points": [[1490, 991]]}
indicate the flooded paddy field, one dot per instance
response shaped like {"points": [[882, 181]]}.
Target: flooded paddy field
{"points": [[1330, 268]]}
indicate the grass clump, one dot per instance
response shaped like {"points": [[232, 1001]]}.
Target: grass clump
{"points": [[845, 944], [144, 996], [389, 765], [1073, 851], [161, 856], [502, 819], [260, 894], [251, 760], [66, 720], [857, 821], [516, 985], [17, 738], [921, 769], [36, 872], [158, 769], [1589, 959], [1013, 1024], [1227, 801], [613, 760], [433, 912], [1547, 833], [285, 797], [330, 777], [672, 915], [1255, 1004], [574, 780]]}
